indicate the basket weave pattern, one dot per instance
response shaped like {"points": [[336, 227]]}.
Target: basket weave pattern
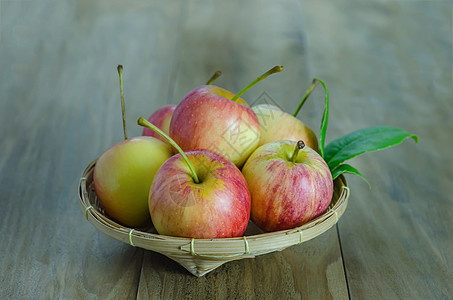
{"points": [[200, 256]]}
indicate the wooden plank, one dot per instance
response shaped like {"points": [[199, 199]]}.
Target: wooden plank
{"points": [[389, 63], [59, 110], [244, 39]]}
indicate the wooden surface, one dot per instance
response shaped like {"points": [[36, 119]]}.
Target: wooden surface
{"points": [[385, 63]]}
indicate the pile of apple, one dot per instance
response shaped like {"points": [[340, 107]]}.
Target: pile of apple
{"points": [[205, 167]]}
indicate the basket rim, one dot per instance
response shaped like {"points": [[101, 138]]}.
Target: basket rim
{"points": [[245, 246]]}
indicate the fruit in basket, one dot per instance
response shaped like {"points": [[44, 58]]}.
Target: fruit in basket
{"points": [[123, 175], [290, 184], [161, 118], [207, 119], [212, 118], [198, 194], [216, 207], [277, 125]]}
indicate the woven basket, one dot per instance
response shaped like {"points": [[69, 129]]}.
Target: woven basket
{"points": [[200, 256]]}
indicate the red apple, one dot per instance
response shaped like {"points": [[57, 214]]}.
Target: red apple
{"points": [[210, 117], [123, 175], [290, 185], [277, 125], [161, 118], [206, 118], [216, 207], [198, 194]]}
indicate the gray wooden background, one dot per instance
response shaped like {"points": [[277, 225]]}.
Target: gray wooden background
{"points": [[385, 63]]}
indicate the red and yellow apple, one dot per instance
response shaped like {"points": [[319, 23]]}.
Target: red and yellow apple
{"points": [[290, 184], [210, 117], [206, 118], [218, 206], [123, 175], [198, 194]]}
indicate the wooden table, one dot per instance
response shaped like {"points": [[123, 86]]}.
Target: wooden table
{"points": [[385, 63]]}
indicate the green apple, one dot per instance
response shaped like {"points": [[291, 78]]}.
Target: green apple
{"points": [[123, 176]]}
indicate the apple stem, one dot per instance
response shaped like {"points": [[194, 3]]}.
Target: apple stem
{"points": [[214, 77], [275, 69], [123, 111], [299, 146], [314, 83], [145, 123]]}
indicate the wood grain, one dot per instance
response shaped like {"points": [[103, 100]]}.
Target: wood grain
{"points": [[389, 63], [59, 110], [385, 63]]}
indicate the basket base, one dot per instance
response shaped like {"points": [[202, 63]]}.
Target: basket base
{"points": [[200, 266]]}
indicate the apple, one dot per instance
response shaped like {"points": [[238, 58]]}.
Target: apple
{"points": [[209, 117], [216, 207], [161, 118], [290, 184], [198, 194], [277, 125], [123, 175], [206, 118]]}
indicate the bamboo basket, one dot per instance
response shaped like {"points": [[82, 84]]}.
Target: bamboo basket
{"points": [[200, 256]]}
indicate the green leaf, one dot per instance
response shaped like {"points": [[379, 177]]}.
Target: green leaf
{"points": [[345, 168], [362, 141], [324, 121]]}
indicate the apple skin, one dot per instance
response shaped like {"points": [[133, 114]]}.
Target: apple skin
{"points": [[277, 125], [123, 175], [161, 118], [206, 118], [217, 207], [287, 194]]}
